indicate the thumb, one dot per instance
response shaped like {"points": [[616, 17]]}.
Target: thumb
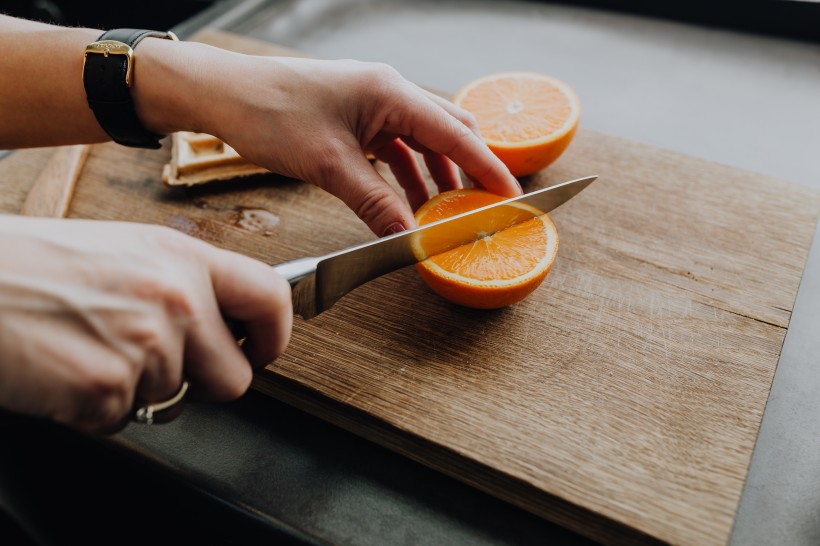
{"points": [[353, 179]]}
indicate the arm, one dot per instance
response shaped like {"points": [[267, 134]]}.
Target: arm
{"points": [[95, 316], [310, 119], [42, 100]]}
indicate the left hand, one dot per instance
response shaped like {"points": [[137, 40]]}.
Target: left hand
{"points": [[316, 120]]}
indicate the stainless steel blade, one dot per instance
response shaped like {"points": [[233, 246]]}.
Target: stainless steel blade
{"points": [[319, 282]]}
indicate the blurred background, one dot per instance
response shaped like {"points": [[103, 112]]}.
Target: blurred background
{"points": [[723, 81], [159, 14], [797, 19]]}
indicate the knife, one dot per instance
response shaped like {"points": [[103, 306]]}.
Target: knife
{"points": [[319, 282]]}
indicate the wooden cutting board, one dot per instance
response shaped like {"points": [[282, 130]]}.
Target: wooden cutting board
{"points": [[622, 399]]}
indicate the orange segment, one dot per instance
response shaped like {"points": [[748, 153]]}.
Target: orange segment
{"points": [[527, 119], [494, 271]]}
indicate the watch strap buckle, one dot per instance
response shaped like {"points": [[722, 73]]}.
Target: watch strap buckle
{"points": [[112, 47]]}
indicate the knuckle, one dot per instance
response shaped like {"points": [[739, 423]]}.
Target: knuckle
{"points": [[103, 399], [165, 240], [146, 332], [156, 358], [383, 72], [167, 278], [161, 235], [153, 354], [114, 387], [169, 293], [383, 82], [469, 121], [374, 204]]}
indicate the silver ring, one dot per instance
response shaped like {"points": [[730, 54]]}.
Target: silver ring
{"points": [[148, 414]]}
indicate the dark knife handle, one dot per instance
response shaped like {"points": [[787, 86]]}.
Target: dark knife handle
{"points": [[237, 328]]}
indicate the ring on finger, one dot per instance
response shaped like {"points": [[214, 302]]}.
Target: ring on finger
{"points": [[149, 413]]}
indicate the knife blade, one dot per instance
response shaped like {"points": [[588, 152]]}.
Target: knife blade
{"points": [[317, 283]]}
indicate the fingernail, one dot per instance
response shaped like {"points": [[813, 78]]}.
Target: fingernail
{"points": [[392, 229]]}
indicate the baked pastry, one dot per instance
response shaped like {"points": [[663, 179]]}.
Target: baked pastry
{"points": [[199, 158]]}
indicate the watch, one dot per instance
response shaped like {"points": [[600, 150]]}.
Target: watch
{"points": [[108, 74]]}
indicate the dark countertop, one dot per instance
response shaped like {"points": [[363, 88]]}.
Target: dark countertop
{"points": [[257, 471]]}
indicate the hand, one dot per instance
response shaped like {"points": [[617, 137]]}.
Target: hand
{"points": [[97, 315], [320, 118], [316, 121]]}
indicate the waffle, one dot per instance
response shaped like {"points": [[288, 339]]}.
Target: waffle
{"points": [[198, 158]]}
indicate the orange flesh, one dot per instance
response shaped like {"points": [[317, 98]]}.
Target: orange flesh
{"points": [[496, 270], [519, 110], [504, 255], [527, 119]]}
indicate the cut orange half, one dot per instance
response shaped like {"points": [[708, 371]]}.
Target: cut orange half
{"points": [[527, 119], [494, 271]]}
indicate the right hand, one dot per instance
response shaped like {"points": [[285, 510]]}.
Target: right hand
{"points": [[98, 315]]}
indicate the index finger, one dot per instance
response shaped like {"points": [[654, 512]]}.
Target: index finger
{"points": [[439, 129]]}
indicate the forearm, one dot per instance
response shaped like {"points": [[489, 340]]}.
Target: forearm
{"points": [[308, 119], [42, 98]]}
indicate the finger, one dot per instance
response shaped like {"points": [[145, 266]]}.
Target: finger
{"points": [[456, 111], [444, 172], [104, 407], [96, 394], [433, 127], [243, 289], [162, 371], [348, 175], [465, 117], [214, 362], [402, 162], [253, 293]]}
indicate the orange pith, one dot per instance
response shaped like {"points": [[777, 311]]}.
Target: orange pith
{"points": [[497, 270], [527, 119]]}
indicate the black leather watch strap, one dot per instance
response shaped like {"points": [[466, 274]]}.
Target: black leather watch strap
{"points": [[108, 73]]}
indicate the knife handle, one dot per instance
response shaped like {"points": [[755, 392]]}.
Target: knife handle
{"points": [[237, 328], [293, 271]]}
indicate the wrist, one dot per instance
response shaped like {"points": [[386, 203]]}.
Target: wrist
{"points": [[168, 87]]}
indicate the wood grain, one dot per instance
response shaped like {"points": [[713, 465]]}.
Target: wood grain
{"points": [[622, 399], [52, 191]]}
